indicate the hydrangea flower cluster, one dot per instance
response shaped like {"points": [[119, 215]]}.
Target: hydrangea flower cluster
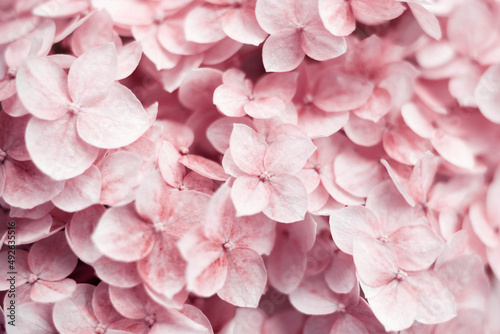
{"points": [[250, 166]]}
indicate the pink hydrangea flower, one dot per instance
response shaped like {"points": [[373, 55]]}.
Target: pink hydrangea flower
{"points": [[264, 180], [233, 247], [91, 114], [300, 32]]}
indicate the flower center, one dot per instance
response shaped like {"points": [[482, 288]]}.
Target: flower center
{"points": [[12, 73], [74, 108], [184, 150], [32, 279], [264, 176], [308, 98], [383, 239], [401, 275], [3, 155], [159, 17], [100, 329], [182, 187], [228, 245], [341, 307], [159, 226], [150, 319]]}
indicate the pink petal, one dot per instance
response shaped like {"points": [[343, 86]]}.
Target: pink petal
{"points": [[487, 94], [357, 174], [118, 274], [247, 149], [164, 268], [320, 324], [211, 279], [364, 132], [283, 322], [404, 146], [78, 308], [97, 30], [67, 155], [28, 230], [454, 150], [203, 25], [319, 44], [378, 9], [122, 235], [375, 262], [172, 38], [21, 266], [288, 155], [101, 304], [26, 187], [390, 208], [245, 321], [318, 123], [36, 318], [116, 121], [172, 78], [241, 25], [51, 258], [161, 58], [416, 247], [230, 166], [395, 306], [194, 181], [481, 225], [377, 105], [287, 199], [265, 107], [80, 192], [434, 301], [99, 62], [250, 195], [286, 265], [168, 161], [52, 292], [79, 231], [328, 180], [337, 17], [41, 87], [204, 167], [350, 223], [58, 9], [342, 92], [492, 195], [18, 27], [348, 324], [422, 177], [221, 51], [246, 278], [197, 89], [128, 59], [275, 16], [313, 296], [282, 52], [341, 273], [427, 21], [119, 173], [280, 85], [230, 101], [132, 303]]}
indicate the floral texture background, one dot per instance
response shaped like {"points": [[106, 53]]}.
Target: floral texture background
{"points": [[250, 166]]}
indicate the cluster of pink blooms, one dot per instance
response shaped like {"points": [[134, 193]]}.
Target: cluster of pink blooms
{"points": [[250, 166]]}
